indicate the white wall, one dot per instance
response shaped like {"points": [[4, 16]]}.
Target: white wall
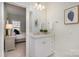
{"points": [[66, 36]]}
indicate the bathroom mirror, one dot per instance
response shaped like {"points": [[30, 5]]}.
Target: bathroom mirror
{"points": [[37, 17]]}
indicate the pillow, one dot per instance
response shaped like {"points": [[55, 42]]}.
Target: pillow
{"points": [[16, 31]]}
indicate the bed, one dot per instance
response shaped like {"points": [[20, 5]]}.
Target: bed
{"points": [[19, 36]]}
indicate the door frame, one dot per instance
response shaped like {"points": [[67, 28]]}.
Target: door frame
{"points": [[27, 26]]}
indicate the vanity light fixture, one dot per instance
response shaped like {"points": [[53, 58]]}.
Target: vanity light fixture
{"points": [[39, 6]]}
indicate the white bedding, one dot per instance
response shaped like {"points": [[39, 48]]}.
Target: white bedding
{"points": [[20, 36]]}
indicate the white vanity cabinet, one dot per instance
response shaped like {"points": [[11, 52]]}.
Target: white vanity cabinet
{"points": [[41, 46]]}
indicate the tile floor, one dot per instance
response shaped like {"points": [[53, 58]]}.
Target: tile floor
{"points": [[20, 51]]}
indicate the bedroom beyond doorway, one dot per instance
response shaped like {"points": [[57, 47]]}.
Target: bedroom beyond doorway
{"points": [[15, 30]]}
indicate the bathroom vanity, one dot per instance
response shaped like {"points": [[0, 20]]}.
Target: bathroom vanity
{"points": [[41, 44]]}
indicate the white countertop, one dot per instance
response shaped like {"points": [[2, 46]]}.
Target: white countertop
{"points": [[40, 35]]}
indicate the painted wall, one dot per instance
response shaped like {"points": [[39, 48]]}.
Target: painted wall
{"points": [[66, 36]]}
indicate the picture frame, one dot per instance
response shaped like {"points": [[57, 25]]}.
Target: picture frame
{"points": [[71, 15]]}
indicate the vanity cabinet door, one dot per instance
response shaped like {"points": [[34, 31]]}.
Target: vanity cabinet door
{"points": [[32, 47], [43, 47]]}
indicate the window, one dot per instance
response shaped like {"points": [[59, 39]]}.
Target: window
{"points": [[16, 24]]}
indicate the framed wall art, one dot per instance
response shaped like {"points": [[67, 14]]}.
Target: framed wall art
{"points": [[71, 15]]}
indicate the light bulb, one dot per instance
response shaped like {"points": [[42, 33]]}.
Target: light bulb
{"points": [[43, 7], [36, 4], [40, 5]]}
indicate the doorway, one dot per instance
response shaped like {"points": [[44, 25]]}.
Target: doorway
{"points": [[15, 31]]}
